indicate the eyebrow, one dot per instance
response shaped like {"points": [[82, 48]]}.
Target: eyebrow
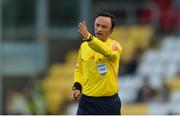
{"points": [[101, 25]]}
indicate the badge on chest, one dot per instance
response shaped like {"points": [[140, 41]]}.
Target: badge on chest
{"points": [[102, 69]]}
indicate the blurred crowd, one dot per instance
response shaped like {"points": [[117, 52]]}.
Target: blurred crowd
{"points": [[27, 100]]}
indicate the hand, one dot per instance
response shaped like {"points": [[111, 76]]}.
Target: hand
{"points": [[75, 94], [82, 28]]}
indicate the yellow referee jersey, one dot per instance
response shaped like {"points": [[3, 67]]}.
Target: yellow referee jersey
{"points": [[97, 67]]}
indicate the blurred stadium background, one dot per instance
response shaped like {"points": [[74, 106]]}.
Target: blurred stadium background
{"points": [[39, 43]]}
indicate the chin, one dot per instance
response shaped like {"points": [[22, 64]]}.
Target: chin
{"points": [[99, 37]]}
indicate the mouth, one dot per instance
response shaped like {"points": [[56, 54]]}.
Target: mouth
{"points": [[98, 34]]}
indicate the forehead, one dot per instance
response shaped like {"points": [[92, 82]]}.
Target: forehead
{"points": [[103, 20]]}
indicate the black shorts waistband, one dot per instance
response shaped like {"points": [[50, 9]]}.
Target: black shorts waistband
{"points": [[102, 97]]}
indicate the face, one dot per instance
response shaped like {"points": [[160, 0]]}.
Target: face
{"points": [[102, 27]]}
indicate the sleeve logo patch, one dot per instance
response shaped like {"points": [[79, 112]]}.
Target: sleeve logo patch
{"points": [[114, 47]]}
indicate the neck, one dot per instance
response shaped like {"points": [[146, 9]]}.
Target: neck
{"points": [[104, 39]]}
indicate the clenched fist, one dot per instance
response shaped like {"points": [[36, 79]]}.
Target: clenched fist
{"points": [[75, 94]]}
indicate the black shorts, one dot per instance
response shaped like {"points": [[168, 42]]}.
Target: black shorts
{"points": [[110, 105]]}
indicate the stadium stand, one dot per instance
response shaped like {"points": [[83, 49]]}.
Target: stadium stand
{"points": [[161, 66], [58, 82], [37, 38]]}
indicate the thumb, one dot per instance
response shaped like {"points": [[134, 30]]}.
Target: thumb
{"points": [[76, 94]]}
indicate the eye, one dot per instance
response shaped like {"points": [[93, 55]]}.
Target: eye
{"points": [[104, 26], [97, 25]]}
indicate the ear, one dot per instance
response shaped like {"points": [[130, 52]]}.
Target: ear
{"points": [[110, 31]]}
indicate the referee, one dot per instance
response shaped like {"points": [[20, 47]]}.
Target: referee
{"points": [[96, 72]]}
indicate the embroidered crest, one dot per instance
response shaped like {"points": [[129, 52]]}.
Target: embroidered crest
{"points": [[102, 69]]}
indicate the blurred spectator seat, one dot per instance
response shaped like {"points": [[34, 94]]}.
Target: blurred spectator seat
{"points": [[133, 38], [174, 102], [174, 84], [162, 67], [162, 62], [135, 109], [128, 87], [175, 97], [58, 82], [156, 108], [164, 4]]}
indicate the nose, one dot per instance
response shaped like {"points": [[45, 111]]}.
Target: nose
{"points": [[99, 29]]}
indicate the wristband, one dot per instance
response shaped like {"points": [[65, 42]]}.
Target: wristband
{"points": [[88, 38], [91, 38]]}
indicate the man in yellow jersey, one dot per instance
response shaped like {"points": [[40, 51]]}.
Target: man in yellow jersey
{"points": [[96, 72]]}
